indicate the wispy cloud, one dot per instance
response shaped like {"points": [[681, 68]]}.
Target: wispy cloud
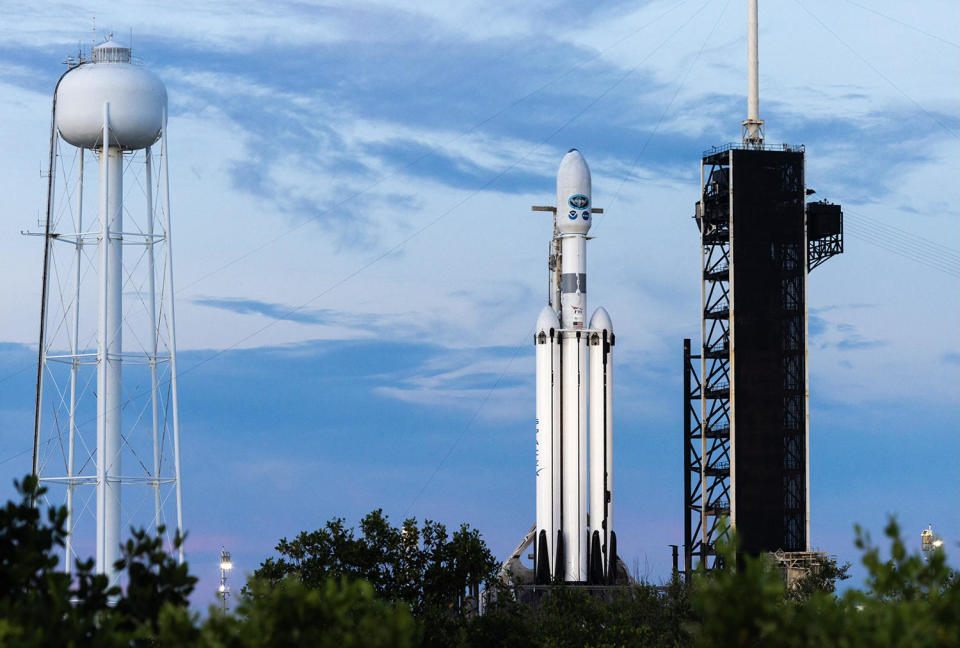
{"points": [[282, 312], [465, 380], [843, 336], [857, 342]]}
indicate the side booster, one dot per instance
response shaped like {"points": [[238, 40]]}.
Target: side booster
{"points": [[572, 543]]}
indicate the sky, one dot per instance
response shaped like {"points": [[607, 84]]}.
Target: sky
{"points": [[358, 270]]}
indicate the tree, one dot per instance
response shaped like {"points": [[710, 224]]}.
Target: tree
{"points": [[421, 566], [155, 580], [43, 606], [416, 586], [823, 576], [437, 575], [35, 598], [909, 601], [334, 614]]}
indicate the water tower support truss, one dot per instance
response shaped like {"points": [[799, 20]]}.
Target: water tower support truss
{"points": [[68, 429]]}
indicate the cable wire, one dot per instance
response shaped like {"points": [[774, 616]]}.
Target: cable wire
{"points": [[285, 316], [915, 239], [598, 53], [443, 215], [433, 151], [858, 229], [900, 22], [469, 424], [880, 74], [516, 350], [952, 269], [656, 128]]}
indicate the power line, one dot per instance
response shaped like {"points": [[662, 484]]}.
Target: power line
{"points": [[433, 151], [901, 246], [870, 65], [420, 158], [466, 427], [423, 228], [891, 245], [872, 238], [896, 231], [23, 452], [516, 350], [443, 215], [19, 454], [448, 211], [663, 114], [900, 22], [903, 243], [16, 372]]}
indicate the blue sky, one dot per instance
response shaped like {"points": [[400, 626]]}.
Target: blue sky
{"points": [[372, 164]]}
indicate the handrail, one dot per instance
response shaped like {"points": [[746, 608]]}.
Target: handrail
{"points": [[740, 146]]}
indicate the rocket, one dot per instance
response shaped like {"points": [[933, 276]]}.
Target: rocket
{"points": [[574, 539]]}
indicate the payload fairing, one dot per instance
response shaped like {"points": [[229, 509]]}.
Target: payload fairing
{"points": [[573, 401]]}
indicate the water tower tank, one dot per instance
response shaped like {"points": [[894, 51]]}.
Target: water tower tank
{"points": [[138, 101]]}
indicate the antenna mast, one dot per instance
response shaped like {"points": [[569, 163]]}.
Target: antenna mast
{"points": [[753, 126]]}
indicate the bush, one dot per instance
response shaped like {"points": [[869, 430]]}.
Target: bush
{"points": [[415, 586]]}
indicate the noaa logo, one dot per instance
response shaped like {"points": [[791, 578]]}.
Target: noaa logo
{"points": [[579, 201], [572, 215]]}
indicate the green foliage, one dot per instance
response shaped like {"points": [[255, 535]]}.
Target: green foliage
{"points": [[154, 580], [643, 615], [910, 601], [823, 577], [743, 606], [416, 586], [336, 614], [421, 566], [35, 607], [42, 606]]}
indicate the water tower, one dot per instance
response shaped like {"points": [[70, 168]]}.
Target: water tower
{"points": [[106, 430]]}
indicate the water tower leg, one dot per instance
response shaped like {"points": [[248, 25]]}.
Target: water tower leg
{"points": [[109, 332], [74, 349], [171, 319], [154, 342]]}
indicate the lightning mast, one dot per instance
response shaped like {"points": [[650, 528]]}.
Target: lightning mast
{"points": [[753, 125]]}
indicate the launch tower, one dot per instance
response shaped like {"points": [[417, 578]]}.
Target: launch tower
{"points": [[746, 429]]}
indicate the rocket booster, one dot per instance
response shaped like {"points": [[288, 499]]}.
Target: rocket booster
{"points": [[572, 362]]}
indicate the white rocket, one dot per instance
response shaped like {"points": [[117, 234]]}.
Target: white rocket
{"points": [[572, 543]]}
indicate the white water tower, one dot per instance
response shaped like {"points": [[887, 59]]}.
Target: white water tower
{"points": [[106, 435]]}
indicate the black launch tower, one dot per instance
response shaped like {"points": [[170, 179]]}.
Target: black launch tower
{"points": [[745, 393]]}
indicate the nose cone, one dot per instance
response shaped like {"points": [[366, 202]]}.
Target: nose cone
{"points": [[547, 321], [574, 194], [601, 320]]}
